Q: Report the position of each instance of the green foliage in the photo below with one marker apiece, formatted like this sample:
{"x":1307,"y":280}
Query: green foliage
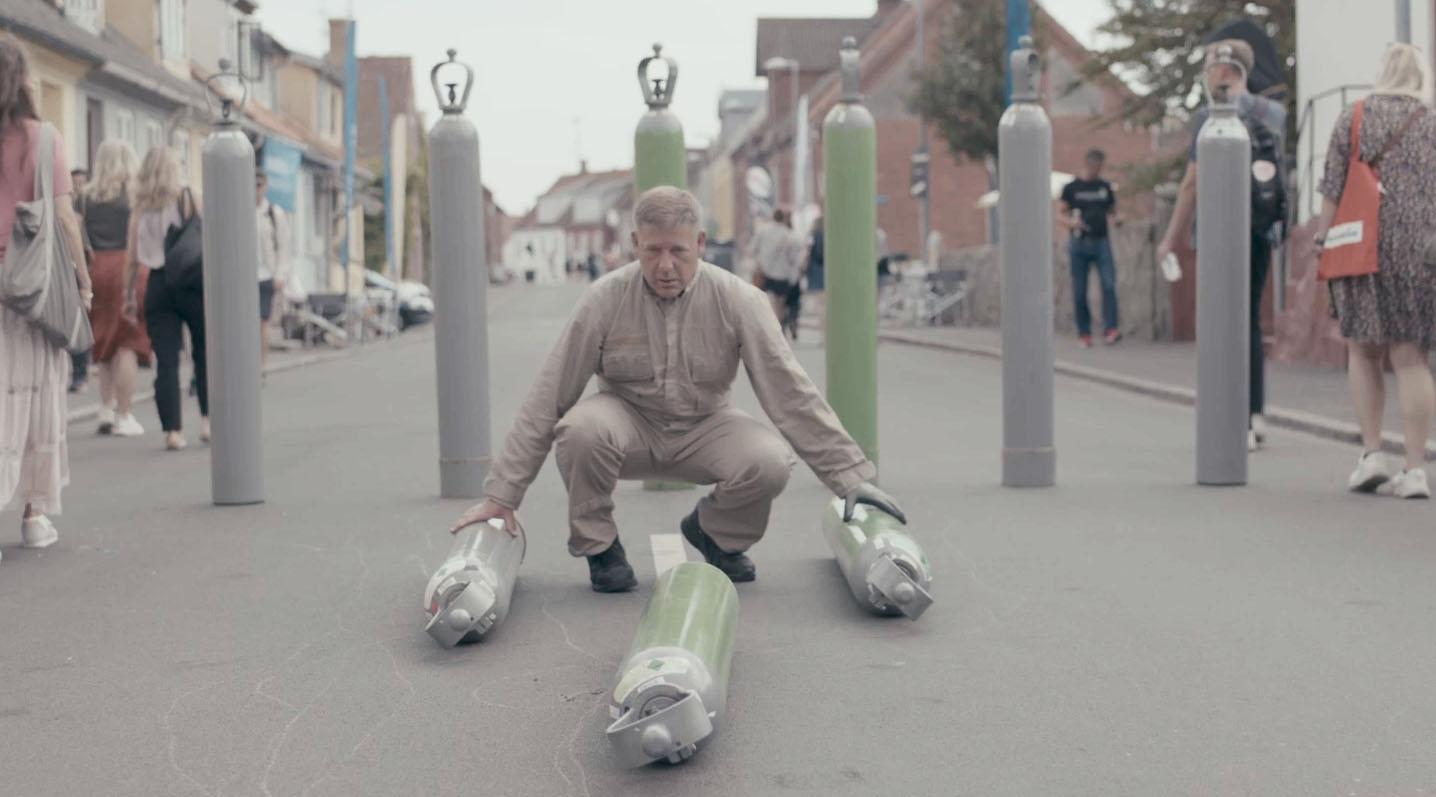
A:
{"x":960,"y":90}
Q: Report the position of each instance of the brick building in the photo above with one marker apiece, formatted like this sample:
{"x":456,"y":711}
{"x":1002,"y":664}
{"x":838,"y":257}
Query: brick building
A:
{"x":888,"y":61}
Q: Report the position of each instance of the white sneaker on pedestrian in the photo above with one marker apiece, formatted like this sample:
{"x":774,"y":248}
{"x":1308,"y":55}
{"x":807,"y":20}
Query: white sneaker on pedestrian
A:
{"x":1253,"y":442}
{"x":127,"y":426}
{"x":1371,"y":472}
{"x":1258,"y":426}
{"x":38,"y":532}
{"x":174,"y":441}
{"x":204,"y":430}
{"x":1410,"y":484}
{"x":107,"y":420}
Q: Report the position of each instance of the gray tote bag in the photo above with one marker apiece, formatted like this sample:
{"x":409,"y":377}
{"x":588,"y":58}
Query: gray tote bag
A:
{"x":37,"y":279}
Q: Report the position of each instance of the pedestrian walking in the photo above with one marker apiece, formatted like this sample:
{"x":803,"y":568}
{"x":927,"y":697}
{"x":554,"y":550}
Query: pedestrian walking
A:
{"x":162,"y":203}
{"x":275,"y":247}
{"x":1088,"y":209}
{"x":779,"y":252}
{"x":1388,"y":310}
{"x":664,"y":335}
{"x":34,"y":370}
{"x":1227,"y":64}
{"x":816,"y":263}
{"x":79,"y":361}
{"x":121,"y":344}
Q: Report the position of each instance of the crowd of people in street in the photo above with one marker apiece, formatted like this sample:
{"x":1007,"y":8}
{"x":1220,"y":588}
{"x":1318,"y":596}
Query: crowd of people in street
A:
{"x":118,"y":225}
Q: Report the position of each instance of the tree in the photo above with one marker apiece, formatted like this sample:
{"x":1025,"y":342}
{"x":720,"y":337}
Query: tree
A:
{"x":962,"y":91}
{"x":1157,"y":48}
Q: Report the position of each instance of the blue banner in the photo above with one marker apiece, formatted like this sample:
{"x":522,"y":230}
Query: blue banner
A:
{"x":281,"y":165}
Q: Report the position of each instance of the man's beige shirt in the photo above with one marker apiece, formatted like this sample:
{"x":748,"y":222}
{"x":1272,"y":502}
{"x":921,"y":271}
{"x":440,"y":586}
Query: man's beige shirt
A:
{"x":674,"y":361}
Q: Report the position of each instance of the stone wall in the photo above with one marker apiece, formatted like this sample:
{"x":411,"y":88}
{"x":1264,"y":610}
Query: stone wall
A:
{"x":1143,"y":305}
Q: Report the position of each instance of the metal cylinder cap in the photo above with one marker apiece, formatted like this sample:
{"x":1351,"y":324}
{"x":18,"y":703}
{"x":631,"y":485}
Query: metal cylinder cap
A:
{"x":656,"y":741}
{"x":456,"y":102}
{"x":904,"y":593}
{"x":849,"y":66}
{"x":658,"y":92}
{"x":1026,"y":71}
{"x":460,"y":619}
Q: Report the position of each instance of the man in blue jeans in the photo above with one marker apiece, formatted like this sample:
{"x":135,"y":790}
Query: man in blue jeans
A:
{"x":1086,"y":206}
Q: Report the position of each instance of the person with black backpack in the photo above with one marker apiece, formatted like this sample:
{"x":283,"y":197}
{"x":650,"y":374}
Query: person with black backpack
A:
{"x":1228,"y":63}
{"x":165,"y":239}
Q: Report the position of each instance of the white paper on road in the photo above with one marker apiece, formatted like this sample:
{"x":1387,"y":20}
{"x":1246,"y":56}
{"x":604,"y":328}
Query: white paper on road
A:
{"x":668,"y":551}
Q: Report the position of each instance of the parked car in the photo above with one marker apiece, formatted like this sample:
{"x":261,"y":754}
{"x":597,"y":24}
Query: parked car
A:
{"x":415,"y":302}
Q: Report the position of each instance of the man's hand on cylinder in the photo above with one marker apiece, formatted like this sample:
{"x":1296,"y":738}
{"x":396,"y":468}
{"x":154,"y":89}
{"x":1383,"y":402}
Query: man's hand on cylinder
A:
{"x":869,"y":494}
{"x":487,"y":510}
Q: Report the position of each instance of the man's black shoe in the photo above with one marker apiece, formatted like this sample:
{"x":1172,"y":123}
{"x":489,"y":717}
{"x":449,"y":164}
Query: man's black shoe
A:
{"x":736,"y":566}
{"x":610,"y":572}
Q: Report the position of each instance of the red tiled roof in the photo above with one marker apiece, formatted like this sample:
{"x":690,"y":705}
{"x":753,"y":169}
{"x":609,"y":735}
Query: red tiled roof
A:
{"x":812,"y":42}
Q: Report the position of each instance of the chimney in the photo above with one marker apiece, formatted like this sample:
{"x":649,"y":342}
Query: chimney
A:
{"x":338,"y":42}
{"x":583,"y":166}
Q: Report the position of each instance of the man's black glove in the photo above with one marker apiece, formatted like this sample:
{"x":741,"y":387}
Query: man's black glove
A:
{"x":868,"y":493}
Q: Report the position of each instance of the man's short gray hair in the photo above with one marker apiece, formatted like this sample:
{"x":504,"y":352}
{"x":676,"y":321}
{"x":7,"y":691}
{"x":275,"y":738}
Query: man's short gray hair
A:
{"x":666,"y":207}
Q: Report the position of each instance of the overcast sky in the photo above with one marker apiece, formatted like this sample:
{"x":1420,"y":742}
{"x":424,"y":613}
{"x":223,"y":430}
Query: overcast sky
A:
{"x":555,"y":78}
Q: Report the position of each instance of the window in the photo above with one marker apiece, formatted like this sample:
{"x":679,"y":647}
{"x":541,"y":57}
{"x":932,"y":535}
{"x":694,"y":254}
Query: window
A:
{"x":324,"y":119}
{"x":124,"y":127}
{"x":88,"y":14}
{"x":231,"y":35}
{"x":171,"y":26}
{"x":154,"y":136}
{"x":179,"y":141}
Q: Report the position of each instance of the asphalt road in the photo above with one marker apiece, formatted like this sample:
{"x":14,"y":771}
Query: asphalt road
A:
{"x":1123,"y":633}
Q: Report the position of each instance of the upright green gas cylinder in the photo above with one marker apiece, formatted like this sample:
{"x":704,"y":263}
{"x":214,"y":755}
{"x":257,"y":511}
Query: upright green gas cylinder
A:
{"x":660,"y":157}
{"x":671,"y":689}
{"x":850,"y":230}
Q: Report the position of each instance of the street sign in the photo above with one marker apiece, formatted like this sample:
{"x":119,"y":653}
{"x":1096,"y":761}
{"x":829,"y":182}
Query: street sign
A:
{"x":917,"y":182}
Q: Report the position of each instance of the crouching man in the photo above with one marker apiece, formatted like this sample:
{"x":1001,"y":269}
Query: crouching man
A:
{"x":665,"y":336}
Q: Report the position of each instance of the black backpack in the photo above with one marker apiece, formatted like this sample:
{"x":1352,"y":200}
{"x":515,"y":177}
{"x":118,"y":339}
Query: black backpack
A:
{"x":1268,"y":186}
{"x":184,"y":249}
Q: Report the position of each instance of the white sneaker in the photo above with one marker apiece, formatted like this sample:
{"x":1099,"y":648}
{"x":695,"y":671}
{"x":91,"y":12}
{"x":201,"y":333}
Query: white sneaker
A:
{"x":107,"y":420}
{"x":38,"y":532}
{"x":1258,"y":427}
{"x":127,"y":426}
{"x":1410,"y":484}
{"x":1253,"y":442}
{"x":204,"y":430}
{"x":1371,"y":472}
{"x":174,"y":441}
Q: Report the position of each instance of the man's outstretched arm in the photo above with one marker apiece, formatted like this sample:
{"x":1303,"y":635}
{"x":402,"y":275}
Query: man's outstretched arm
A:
{"x":793,"y":402}
{"x":559,"y":385}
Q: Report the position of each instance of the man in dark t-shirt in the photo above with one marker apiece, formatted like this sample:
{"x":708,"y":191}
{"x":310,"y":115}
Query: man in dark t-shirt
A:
{"x":1087,"y":206}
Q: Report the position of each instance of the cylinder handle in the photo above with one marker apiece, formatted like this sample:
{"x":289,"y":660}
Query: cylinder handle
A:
{"x":849,"y":64}
{"x":455,"y":103}
{"x":216,"y":90}
{"x":658,"y":95}
{"x":1026,"y":70}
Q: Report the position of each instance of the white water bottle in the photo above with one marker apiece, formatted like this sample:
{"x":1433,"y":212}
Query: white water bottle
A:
{"x":1171,"y":269}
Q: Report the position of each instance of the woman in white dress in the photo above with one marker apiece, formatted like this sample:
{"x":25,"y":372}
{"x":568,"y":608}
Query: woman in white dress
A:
{"x":34,"y":463}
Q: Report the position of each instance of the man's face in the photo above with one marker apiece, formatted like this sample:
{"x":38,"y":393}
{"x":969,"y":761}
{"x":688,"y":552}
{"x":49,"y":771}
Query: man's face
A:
{"x":1224,"y":80}
{"x":1094,"y":168}
{"x":669,"y":257}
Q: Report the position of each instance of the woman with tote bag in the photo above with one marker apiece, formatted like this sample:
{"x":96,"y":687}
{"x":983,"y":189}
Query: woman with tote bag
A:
{"x":34,"y":367}
{"x":1377,"y":220}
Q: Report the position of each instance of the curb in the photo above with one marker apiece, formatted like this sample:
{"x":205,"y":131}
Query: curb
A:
{"x":92,"y":411}
{"x":1280,"y":417}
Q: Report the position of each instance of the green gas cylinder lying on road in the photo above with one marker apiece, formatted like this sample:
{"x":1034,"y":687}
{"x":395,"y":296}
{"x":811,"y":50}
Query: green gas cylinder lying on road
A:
{"x":672,"y":687}
{"x":885,"y":568}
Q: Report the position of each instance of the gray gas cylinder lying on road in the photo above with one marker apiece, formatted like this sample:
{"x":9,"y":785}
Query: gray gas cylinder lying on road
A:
{"x":470,"y":593}
{"x":886,"y":569}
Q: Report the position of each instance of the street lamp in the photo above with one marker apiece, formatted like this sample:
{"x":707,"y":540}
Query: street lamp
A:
{"x":770,"y":66}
